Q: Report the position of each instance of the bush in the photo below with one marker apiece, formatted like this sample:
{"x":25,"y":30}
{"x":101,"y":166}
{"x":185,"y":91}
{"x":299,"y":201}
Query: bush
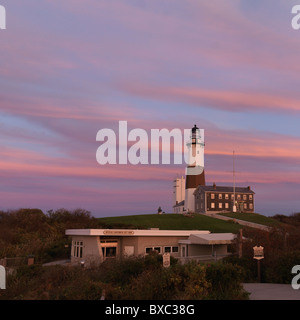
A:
{"x":248,"y":267}
{"x":225,"y":279}
{"x":130,"y":279}
{"x":176,"y":282}
{"x":278,"y":270}
{"x":121,"y":271}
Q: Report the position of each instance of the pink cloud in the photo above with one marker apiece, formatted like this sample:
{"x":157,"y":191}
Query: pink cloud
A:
{"x":220,"y":99}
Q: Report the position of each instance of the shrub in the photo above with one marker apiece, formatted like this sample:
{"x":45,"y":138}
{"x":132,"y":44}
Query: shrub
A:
{"x":247,"y":264}
{"x":121,"y":271}
{"x":225,"y":279}
{"x":130,"y":279}
{"x":278,"y":270}
{"x":176,"y":282}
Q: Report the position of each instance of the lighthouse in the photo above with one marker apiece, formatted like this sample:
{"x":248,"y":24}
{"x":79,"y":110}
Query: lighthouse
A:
{"x":194,"y":175}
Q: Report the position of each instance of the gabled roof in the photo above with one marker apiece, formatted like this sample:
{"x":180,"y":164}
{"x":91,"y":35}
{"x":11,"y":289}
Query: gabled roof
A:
{"x":209,"y":239}
{"x":179,"y":204}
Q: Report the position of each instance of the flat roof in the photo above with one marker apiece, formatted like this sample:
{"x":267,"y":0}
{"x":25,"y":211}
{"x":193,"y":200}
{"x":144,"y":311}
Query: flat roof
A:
{"x":226,"y":189}
{"x":134,"y":232}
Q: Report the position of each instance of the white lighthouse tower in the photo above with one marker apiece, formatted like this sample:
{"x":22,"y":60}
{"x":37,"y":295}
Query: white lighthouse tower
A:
{"x":195,"y":168}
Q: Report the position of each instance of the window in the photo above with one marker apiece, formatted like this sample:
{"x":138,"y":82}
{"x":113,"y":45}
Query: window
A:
{"x":245,"y":205}
{"x":109,"y":252}
{"x":220,"y":195}
{"x":148,"y":250}
{"x":250,"y":197}
{"x":251,"y":206}
{"x":232,"y":196}
{"x":226,"y":205}
{"x":212,"y":205}
{"x":170,"y":249}
{"x":157,"y":249}
{"x":244,"y":197}
{"x":109,"y":248}
{"x":212,"y":195}
{"x":220,"y":205}
{"x":239,"y":197}
{"x":226,"y":196}
{"x":183,"y":251}
{"x":78,"y":248}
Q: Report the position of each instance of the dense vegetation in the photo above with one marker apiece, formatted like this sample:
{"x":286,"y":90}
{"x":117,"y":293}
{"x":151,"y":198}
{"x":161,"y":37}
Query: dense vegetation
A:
{"x":27,"y":232}
{"x":131,"y":279}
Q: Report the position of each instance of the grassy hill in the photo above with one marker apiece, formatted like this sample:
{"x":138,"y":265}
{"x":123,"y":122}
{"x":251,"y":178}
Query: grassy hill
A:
{"x":180,"y":222}
{"x":171,"y":221}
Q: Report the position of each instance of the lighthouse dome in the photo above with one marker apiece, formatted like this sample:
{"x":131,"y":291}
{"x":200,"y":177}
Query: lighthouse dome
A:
{"x":194,"y":129}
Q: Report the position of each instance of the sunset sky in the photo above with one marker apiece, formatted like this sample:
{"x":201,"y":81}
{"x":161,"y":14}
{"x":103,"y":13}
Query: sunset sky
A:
{"x":70,"y":68}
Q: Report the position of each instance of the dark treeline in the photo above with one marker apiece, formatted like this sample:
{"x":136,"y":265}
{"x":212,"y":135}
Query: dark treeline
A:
{"x":293,"y":219}
{"x":26,"y":232}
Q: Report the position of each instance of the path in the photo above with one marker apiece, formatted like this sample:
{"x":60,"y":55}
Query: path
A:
{"x":271,"y":291}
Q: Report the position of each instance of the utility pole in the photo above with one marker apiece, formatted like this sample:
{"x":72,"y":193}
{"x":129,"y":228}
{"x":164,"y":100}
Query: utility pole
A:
{"x":234,"y":206}
{"x":240,"y":243}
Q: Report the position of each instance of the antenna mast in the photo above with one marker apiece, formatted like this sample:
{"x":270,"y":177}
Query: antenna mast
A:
{"x":234,"y":206}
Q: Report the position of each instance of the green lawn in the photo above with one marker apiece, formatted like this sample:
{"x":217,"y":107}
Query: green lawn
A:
{"x":170,"y":222}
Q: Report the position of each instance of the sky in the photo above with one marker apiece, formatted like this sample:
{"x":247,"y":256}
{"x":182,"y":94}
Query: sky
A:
{"x":70,"y":68}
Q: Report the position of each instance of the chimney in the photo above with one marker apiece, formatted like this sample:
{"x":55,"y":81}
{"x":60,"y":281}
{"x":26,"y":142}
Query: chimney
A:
{"x":214,"y":186}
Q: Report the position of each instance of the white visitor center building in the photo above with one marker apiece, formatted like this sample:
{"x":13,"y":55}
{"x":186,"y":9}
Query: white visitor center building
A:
{"x":93,"y":246}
